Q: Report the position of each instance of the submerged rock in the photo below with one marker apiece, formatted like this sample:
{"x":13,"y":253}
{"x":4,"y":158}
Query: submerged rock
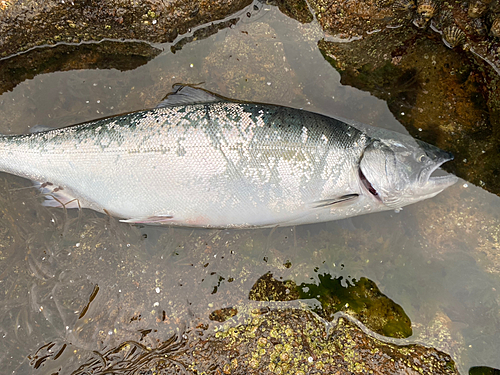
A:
{"x":252,"y":66}
{"x":360,"y":299}
{"x":285,"y":341}
{"x":109,"y":299}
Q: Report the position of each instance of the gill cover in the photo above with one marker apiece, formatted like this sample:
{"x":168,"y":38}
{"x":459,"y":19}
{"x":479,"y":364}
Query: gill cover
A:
{"x":379,"y":167}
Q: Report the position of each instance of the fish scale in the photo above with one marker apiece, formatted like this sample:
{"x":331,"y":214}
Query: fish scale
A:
{"x":200,"y":160}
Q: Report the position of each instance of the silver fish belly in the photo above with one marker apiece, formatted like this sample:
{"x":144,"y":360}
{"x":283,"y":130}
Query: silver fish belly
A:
{"x":203,"y":161}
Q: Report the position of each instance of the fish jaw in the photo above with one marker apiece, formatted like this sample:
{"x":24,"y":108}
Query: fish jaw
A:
{"x":430,"y":185}
{"x":436,"y":185}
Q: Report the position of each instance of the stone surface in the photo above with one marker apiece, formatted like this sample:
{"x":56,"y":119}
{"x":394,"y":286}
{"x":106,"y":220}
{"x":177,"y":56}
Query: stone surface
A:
{"x":286,"y":341}
{"x":27,"y":24}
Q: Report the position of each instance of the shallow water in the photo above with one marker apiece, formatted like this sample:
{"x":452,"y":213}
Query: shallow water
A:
{"x":439,"y":259}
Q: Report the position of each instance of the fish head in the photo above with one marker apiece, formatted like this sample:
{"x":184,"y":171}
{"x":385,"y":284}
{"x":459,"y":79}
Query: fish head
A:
{"x":398,"y":173}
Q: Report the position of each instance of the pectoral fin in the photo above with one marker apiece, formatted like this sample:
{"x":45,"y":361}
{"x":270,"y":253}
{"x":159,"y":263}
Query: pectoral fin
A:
{"x":159,"y":219}
{"x":336,"y":200}
{"x":57,"y":196}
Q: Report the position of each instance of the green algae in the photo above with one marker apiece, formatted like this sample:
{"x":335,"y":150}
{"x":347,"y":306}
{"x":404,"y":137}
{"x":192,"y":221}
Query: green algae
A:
{"x":360,"y":299}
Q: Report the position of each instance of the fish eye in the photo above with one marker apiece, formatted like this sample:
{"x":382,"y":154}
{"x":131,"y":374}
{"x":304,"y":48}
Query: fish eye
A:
{"x":422,"y":158}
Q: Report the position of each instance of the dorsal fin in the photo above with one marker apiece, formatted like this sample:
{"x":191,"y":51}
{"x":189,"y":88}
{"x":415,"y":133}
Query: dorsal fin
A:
{"x":40,"y":128}
{"x":185,"y":94}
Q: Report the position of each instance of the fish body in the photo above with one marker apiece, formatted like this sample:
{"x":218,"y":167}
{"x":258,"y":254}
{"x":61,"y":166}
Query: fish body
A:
{"x":200,"y":160}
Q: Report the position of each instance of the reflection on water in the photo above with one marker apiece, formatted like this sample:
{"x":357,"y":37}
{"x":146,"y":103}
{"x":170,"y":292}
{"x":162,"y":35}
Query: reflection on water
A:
{"x":82,"y":289}
{"x":104,"y":55}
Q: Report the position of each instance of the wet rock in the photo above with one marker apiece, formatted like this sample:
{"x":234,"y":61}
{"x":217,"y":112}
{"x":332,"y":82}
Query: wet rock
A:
{"x":203,"y":33}
{"x":438,"y":94}
{"x":36,"y":23}
{"x":444,"y":334}
{"x":296,"y":9}
{"x":267,"y":288}
{"x":474,"y":34}
{"x":277,"y":342}
{"x":372,"y":52}
{"x":223,"y":314}
{"x":353,"y":19}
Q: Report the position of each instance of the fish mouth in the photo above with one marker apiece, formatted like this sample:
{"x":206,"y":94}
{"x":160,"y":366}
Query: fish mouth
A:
{"x":433,"y":179}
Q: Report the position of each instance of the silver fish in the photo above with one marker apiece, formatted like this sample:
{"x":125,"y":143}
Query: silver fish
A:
{"x":202,"y":160}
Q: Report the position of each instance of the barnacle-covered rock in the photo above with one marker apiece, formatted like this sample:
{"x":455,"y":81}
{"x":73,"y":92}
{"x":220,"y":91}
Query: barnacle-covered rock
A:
{"x":495,"y":26}
{"x":280,"y":341}
{"x":478,"y":27}
{"x":352,"y":19}
{"x":477,"y":8}
{"x":494,"y":6}
{"x":442,"y":20}
{"x":474,"y":25}
{"x":426,"y":9}
{"x":404,"y":10}
{"x":453,"y":36}
{"x":360,"y":299}
{"x":404,"y":5}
